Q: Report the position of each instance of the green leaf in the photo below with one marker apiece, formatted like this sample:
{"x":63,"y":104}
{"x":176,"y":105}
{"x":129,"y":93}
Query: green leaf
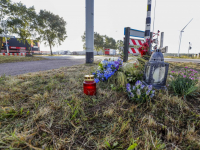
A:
{"x":115,"y":144}
{"x":132,"y":147}
{"x":108,"y":144}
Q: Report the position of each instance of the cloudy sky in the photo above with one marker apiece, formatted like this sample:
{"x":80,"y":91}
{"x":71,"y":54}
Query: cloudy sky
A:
{"x":111,"y":16}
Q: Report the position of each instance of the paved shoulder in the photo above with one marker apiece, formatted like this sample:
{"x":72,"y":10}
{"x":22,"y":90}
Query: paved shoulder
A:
{"x":35,"y":66}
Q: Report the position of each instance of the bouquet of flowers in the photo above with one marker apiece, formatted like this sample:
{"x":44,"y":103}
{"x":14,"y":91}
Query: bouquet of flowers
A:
{"x":106,"y":69}
{"x":139,"y":92}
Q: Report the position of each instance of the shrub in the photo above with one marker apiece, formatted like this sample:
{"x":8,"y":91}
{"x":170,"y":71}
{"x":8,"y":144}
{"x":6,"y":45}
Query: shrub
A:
{"x":140,"y":93}
{"x":183,"y":83}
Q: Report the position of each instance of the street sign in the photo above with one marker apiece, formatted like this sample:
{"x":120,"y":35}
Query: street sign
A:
{"x":164,"y":49}
{"x":8,"y":36}
{"x":136,"y":33}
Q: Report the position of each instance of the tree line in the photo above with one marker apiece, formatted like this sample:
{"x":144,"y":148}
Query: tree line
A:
{"x":28,"y":25}
{"x":103,"y":41}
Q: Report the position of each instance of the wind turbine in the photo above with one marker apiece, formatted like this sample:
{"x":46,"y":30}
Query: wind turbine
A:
{"x":181,"y":36}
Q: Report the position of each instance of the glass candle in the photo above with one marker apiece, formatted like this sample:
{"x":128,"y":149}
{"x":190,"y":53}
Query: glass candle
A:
{"x":89,"y":85}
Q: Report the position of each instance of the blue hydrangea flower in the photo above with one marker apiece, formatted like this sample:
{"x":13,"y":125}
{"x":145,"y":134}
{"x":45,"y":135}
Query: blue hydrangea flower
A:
{"x":96,"y":80}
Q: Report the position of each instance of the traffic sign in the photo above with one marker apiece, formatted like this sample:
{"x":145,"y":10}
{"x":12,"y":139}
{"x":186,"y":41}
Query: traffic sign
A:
{"x":8,"y":36}
{"x":6,"y":45}
{"x":136,"y":33}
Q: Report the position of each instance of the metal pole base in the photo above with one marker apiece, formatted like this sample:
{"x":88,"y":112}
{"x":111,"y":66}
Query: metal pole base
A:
{"x":89,"y":57}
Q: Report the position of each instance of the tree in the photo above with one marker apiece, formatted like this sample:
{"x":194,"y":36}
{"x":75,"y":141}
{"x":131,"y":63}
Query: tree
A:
{"x":4,"y":5}
{"x":83,"y":40}
{"x":98,"y":42}
{"x":109,"y":42}
{"x":119,"y":43}
{"x":23,"y":22}
{"x":52,"y":28}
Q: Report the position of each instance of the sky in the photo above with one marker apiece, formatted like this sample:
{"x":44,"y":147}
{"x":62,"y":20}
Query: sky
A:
{"x":111,"y":16}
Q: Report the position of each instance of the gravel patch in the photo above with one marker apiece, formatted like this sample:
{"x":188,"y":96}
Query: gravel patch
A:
{"x":35,"y":66}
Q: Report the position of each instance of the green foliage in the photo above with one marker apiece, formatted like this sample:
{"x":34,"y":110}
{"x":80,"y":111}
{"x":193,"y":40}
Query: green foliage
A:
{"x":183,"y":83}
{"x":100,"y":42}
{"x":119,"y":43}
{"x":22,"y":22}
{"x":52,"y":28}
{"x":133,"y":145}
{"x":109,"y":42}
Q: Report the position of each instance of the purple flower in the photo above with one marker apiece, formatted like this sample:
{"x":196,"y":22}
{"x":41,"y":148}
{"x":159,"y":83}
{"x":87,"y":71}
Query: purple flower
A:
{"x":147,"y":92}
{"x":172,"y":71}
{"x":132,"y":95}
{"x":138,"y":92}
{"x":151,"y":95}
{"x":184,"y":76}
{"x":142,"y":86}
{"x":150,"y":87}
{"x":128,"y":87}
{"x":133,"y":87}
{"x":186,"y":67}
{"x":138,"y":82}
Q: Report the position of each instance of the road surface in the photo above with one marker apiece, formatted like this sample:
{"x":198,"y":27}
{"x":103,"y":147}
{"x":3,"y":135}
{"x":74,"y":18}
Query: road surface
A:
{"x":55,"y":62}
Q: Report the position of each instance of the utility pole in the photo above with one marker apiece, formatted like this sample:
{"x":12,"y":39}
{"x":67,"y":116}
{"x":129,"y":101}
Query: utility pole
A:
{"x":181,"y":36}
{"x":89,"y":36}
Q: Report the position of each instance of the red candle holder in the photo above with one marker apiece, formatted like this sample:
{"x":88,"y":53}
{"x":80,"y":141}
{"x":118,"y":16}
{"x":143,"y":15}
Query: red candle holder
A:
{"x":89,"y":85}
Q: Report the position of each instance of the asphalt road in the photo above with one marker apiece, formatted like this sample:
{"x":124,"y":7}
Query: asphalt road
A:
{"x":55,"y":62}
{"x":102,"y":57}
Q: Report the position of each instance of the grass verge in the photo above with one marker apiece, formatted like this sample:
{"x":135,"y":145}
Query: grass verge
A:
{"x":9,"y":59}
{"x":48,"y":110}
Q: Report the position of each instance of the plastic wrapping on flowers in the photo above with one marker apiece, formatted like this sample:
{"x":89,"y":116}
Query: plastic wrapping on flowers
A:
{"x":139,"y":92}
{"x":106,"y":69}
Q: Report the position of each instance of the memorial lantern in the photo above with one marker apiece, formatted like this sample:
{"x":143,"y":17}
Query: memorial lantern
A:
{"x":89,"y":85}
{"x":156,"y":70}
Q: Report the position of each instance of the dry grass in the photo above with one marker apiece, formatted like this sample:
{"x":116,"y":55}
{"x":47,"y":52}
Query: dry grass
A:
{"x":48,"y":110}
{"x":182,"y":57}
{"x":9,"y":59}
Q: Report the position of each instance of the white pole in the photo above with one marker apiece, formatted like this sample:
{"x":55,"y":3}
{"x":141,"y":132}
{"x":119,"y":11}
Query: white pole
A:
{"x":89,"y":36}
{"x":180,"y":42}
